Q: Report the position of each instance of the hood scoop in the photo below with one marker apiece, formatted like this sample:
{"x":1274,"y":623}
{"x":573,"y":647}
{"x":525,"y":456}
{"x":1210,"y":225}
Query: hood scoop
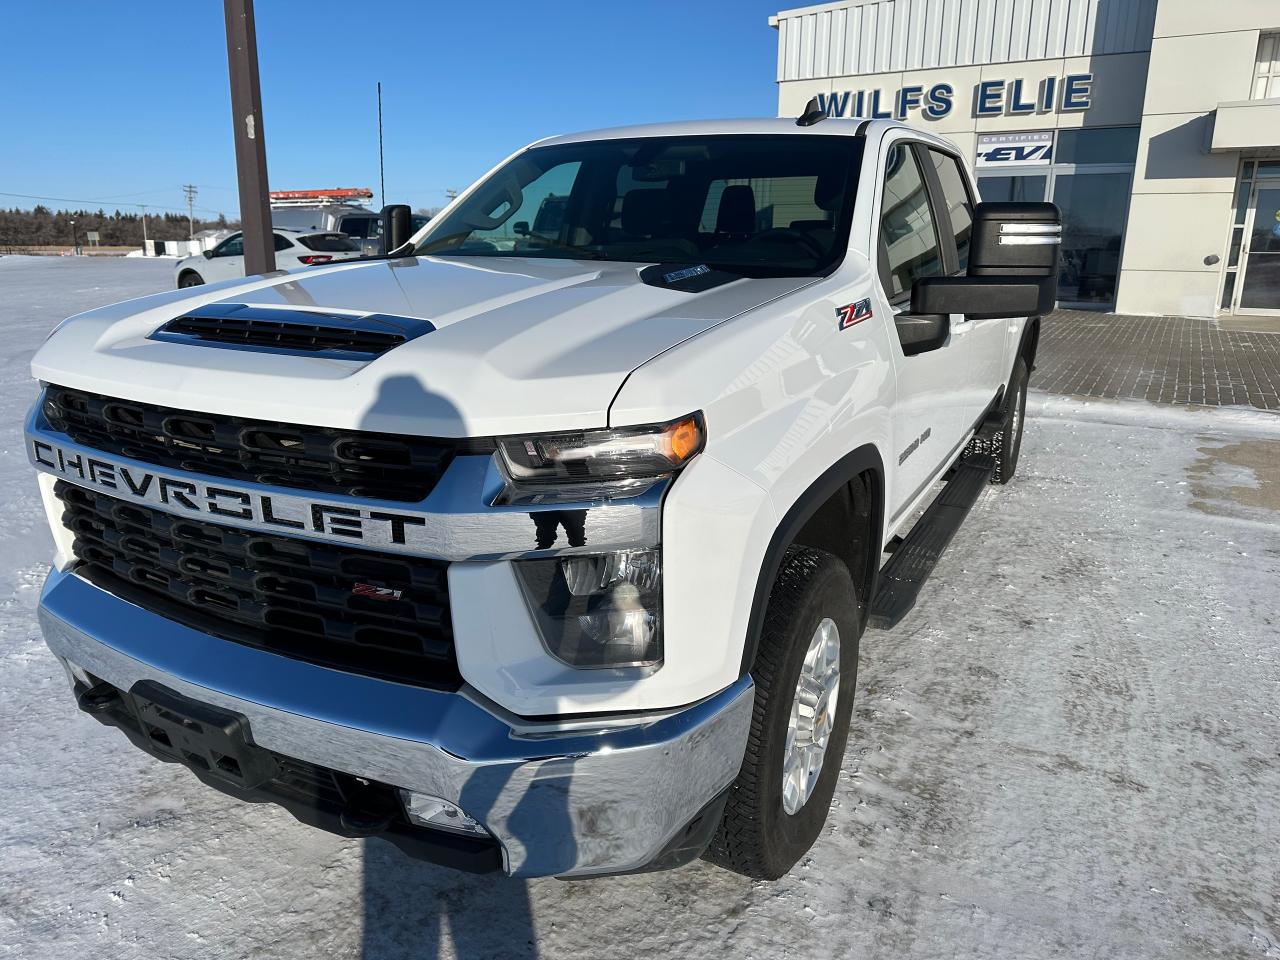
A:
{"x":308,"y":333}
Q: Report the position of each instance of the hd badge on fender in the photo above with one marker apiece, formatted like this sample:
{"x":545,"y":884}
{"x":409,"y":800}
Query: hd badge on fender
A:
{"x":852,"y":313}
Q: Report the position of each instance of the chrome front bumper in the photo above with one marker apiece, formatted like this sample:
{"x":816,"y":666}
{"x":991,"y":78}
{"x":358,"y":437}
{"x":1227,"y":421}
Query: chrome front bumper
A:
{"x":561,"y":798}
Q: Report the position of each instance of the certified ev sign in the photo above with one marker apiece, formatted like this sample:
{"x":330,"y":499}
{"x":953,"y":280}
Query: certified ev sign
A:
{"x":989,"y":98}
{"x":1015,"y":149}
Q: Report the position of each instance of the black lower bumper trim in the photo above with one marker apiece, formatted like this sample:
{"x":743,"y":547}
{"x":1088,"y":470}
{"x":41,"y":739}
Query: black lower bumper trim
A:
{"x":214,"y":745}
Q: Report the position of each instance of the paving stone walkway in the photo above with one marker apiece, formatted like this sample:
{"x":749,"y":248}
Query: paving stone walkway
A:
{"x":1161,"y":359}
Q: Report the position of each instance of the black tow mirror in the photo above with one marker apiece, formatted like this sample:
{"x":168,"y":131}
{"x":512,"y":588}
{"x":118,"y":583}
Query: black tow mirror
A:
{"x":1013,"y":272}
{"x":397,"y":226}
{"x":985,"y":298}
{"x":1016,"y":240}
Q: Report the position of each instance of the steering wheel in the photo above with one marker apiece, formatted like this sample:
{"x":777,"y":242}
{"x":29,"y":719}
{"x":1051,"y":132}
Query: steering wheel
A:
{"x":791,"y":235}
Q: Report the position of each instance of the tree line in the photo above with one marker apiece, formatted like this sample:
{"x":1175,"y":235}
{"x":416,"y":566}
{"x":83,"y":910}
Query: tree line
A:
{"x":40,"y":226}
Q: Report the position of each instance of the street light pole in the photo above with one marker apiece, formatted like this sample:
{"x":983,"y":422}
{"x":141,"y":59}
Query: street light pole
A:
{"x":75,"y":241}
{"x":251,"y":149}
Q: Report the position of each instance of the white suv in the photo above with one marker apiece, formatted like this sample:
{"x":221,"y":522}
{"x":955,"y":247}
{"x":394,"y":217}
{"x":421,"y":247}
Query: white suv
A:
{"x":545,"y":544}
{"x":293,"y":249}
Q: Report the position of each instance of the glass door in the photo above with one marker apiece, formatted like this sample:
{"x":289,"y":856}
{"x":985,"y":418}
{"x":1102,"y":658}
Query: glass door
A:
{"x":1260,"y":269}
{"x":1093,"y":207}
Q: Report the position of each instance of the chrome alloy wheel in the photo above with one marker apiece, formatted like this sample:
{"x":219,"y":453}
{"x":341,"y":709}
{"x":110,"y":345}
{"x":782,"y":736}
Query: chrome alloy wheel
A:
{"x":813,"y":713}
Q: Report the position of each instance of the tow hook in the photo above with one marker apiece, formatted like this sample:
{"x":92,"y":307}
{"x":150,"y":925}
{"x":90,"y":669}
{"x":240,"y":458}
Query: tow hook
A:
{"x":359,"y":822}
{"x":98,"y":698}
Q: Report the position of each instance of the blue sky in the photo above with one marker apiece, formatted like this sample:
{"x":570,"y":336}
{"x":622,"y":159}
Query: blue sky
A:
{"x":115,"y":102}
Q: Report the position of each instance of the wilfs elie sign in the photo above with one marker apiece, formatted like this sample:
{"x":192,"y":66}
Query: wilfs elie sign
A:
{"x":990,"y":98}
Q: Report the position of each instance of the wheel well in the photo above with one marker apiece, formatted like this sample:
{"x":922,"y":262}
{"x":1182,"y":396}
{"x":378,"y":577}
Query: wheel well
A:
{"x":843,"y":526}
{"x":842,"y":512}
{"x":188,"y":272}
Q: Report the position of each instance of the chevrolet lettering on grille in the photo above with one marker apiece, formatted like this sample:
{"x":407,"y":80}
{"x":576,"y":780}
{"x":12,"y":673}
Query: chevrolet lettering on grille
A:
{"x":228,"y":504}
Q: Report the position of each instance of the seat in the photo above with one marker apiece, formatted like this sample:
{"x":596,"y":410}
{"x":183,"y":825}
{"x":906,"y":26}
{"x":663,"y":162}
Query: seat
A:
{"x":736,"y":218}
{"x":644,"y":213}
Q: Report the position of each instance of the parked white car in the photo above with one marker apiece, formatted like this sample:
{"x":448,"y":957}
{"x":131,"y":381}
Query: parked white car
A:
{"x":293,"y":249}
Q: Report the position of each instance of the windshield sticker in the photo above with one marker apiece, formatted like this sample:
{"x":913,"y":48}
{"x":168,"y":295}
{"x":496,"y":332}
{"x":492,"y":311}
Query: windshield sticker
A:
{"x":852,"y":313}
{"x":677,"y":275}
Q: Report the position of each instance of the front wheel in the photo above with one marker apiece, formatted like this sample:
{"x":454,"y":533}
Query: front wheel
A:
{"x":804,"y":673}
{"x":190,"y":279}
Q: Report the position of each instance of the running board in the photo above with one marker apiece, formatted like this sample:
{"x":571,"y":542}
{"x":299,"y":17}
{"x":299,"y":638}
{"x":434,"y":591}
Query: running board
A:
{"x":914,"y":559}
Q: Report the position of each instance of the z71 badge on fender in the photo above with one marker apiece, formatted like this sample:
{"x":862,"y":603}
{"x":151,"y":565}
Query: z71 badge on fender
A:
{"x":852,"y":313}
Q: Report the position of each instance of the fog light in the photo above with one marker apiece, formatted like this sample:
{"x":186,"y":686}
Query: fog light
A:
{"x":601,"y":610}
{"x":424,"y":810}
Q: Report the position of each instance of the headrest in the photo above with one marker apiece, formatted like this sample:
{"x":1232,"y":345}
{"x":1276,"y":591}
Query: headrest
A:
{"x":644,"y":212}
{"x":737,"y":210}
{"x":826,"y":192}
{"x":810,"y":225}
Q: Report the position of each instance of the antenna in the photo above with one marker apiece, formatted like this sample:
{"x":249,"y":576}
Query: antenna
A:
{"x":813,"y":112}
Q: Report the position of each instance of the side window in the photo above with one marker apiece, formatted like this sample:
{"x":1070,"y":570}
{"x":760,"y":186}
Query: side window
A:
{"x":908,"y":232}
{"x":281,"y":243}
{"x":231,"y":247}
{"x":955,"y":194}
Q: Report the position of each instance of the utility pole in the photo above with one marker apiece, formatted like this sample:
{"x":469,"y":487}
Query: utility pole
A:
{"x":251,"y":148}
{"x":451,"y":195}
{"x":191,"y":191}
{"x":382,"y":177}
{"x":144,"y":228}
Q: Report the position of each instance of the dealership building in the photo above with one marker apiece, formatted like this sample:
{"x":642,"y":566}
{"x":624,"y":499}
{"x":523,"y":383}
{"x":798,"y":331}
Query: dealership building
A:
{"x":1153,"y":124}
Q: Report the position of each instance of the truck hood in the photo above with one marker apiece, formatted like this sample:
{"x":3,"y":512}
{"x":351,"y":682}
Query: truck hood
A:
{"x":519,"y":345}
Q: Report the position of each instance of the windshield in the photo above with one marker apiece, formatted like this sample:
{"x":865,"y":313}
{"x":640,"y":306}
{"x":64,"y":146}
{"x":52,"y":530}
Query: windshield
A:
{"x":757,"y":205}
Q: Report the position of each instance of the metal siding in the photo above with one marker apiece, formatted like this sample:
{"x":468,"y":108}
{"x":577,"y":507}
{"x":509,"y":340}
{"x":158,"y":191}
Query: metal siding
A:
{"x":822,"y":45}
{"x":835,"y":42}
{"x":886,"y":36}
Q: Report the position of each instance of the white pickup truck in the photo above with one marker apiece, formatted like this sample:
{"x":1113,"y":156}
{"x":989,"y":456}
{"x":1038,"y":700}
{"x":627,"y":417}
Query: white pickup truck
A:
{"x":547,"y":551}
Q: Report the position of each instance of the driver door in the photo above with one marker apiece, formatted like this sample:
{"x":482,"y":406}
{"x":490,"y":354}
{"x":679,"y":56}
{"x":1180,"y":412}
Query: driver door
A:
{"x":930,"y":416}
{"x":226,"y":262}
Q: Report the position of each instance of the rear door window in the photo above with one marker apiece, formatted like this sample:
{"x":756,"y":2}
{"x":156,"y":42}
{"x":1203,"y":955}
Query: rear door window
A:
{"x":281,"y":243}
{"x":955,"y":193}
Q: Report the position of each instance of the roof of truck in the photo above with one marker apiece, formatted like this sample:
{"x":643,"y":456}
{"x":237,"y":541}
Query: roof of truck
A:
{"x":841,"y":126}
{"x":691,"y":128}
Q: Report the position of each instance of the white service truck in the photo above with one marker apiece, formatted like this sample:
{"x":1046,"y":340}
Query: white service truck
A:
{"x":547,"y":551}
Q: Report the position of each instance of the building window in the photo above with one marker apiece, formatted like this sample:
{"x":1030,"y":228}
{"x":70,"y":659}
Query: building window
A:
{"x":1266,"y":78}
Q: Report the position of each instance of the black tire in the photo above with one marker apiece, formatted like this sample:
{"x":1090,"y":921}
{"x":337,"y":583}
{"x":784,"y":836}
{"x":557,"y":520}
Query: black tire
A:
{"x":1010,"y":436}
{"x":1006,"y":445}
{"x":756,"y":836}
{"x":190,"y":279}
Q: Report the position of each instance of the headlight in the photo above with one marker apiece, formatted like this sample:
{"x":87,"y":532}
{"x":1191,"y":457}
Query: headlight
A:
{"x":601,"y":610}
{"x":589,"y":463}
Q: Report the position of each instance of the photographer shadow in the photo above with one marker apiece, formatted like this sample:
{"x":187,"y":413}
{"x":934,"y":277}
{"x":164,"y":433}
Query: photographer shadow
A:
{"x":415,"y":910}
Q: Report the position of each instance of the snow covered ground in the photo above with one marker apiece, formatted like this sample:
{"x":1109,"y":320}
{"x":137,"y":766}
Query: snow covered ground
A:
{"x":1069,"y":749}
